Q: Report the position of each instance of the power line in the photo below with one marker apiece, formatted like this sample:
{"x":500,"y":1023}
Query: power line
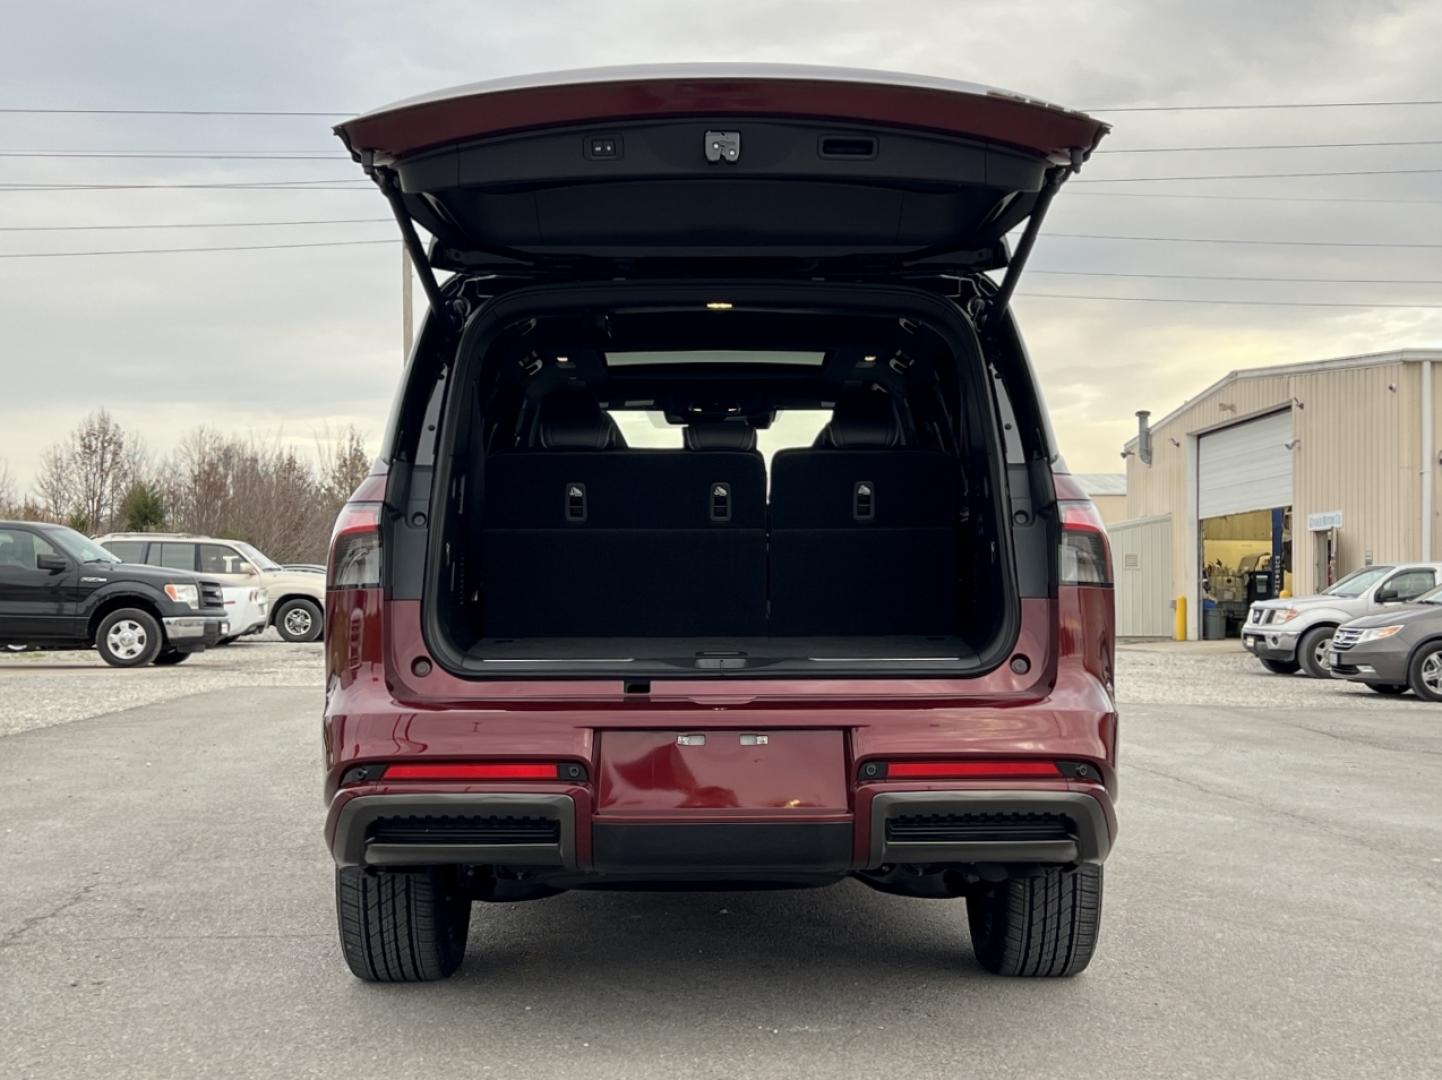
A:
{"x":1234,"y":277}
{"x":1278,"y":105}
{"x":166,"y":155}
{"x":197,"y":225}
{"x":1264,"y":146}
{"x":171,"y":112}
{"x":1257,"y":198}
{"x":1197,"y":300}
{"x":50,"y":111}
{"x":191,"y":250}
{"x":254,"y":185}
{"x":1233,"y":240}
{"x":1255,"y":176}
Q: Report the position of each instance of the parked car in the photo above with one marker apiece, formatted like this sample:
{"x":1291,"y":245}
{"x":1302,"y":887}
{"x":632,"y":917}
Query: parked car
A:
{"x":1296,"y":634}
{"x":60,"y":590}
{"x":247,"y":606}
{"x":554,"y":662}
{"x":296,"y":598}
{"x":1394,"y":651}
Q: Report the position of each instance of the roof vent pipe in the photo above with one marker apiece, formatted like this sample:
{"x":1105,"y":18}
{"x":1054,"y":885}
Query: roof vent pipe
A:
{"x":1144,"y":436}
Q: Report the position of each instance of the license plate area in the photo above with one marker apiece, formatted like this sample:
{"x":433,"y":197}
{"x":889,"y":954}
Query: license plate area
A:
{"x":719,"y":775}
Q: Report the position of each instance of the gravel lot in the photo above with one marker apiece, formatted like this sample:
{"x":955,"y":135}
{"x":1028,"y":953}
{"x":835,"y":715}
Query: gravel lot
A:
{"x":166,"y":910}
{"x":41,"y":689}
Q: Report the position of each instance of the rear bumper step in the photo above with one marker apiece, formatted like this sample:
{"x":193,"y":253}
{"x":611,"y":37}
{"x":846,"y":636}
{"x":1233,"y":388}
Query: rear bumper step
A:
{"x":803,"y":847}
{"x":987,"y":826}
{"x":438,"y":829}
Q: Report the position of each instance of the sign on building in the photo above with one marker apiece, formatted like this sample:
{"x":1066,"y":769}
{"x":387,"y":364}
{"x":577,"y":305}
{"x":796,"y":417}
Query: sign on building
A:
{"x":1328,"y":519}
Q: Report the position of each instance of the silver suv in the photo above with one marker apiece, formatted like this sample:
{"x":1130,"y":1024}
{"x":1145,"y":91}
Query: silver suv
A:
{"x":297,"y":598}
{"x":1296,"y":634}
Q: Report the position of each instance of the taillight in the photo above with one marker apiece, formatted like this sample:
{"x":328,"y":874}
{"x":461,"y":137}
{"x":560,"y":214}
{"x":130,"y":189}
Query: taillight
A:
{"x":1085,"y":554}
{"x":979,"y":769}
{"x":355,"y":548}
{"x":497,"y":770}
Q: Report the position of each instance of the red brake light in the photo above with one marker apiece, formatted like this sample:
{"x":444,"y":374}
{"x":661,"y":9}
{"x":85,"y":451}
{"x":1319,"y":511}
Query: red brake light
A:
{"x":500,"y":770}
{"x":970,"y":770}
{"x":355,"y":547}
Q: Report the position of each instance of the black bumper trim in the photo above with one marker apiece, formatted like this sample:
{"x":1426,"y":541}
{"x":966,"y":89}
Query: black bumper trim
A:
{"x":353,"y":846}
{"x":1089,"y":840}
{"x":802,"y":847}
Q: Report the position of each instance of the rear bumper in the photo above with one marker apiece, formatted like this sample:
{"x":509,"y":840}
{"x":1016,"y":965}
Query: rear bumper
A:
{"x":397,"y":829}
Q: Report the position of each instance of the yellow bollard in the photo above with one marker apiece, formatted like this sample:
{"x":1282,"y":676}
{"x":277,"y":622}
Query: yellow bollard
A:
{"x":1181,"y":631}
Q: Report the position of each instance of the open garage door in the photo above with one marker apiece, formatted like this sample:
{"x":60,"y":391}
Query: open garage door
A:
{"x":1245,"y":467}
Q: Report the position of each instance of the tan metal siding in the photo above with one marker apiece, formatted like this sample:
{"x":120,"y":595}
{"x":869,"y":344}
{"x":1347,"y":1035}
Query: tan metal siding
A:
{"x":1142,"y":567}
{"x":1359,"y":453}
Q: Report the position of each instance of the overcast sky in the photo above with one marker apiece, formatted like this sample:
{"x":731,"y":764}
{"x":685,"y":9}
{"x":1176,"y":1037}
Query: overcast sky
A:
{"x":293,"y":343}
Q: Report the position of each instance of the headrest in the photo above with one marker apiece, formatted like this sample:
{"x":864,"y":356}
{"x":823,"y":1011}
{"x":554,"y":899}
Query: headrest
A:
{"x":572,"y":420}
{"x":720,"y":435}
{"x":863,"y":419}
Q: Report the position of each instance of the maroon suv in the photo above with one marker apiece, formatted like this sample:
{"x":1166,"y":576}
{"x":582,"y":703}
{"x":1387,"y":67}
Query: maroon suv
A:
{"x":564,"y":656}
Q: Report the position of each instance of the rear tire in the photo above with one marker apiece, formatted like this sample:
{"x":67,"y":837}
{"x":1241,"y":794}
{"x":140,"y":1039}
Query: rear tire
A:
{"x":1312,"y":651}
{"x":1424,"y":673}
{"x":1045,"y":925}
{"x":1282,"y":667}
{"x":169,"y":657}
{"x":1389,"y":689}
{"x":298,"y":620}
{"x":128,"y":637}
{"x":401,"y":927}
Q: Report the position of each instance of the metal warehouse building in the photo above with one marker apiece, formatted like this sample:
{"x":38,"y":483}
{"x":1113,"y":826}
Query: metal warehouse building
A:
{"x":1275,"y":479}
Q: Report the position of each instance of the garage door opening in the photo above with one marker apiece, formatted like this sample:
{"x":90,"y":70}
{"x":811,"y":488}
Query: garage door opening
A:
{"x":1244,"y":514}
{"x":1245,"y":558}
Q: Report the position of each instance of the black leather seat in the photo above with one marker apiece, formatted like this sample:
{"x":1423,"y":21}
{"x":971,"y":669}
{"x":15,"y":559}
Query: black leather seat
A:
{"x":863,"y":530}
{"x":581,"y":539}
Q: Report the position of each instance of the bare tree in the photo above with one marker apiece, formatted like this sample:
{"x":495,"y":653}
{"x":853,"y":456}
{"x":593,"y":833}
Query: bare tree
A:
{"x":7,"y":491}
{"x":84,"y":478}
{"x":344,"y":463}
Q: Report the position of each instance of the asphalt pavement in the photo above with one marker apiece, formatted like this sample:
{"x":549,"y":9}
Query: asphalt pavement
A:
{"x":1272,"y":909}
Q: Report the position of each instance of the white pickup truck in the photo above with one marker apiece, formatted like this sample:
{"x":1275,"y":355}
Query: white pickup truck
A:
{"x":1296,"y":634}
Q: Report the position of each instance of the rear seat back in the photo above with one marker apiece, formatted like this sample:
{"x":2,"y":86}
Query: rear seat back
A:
{"x":863,"y":532}
{"x":617,"y":543}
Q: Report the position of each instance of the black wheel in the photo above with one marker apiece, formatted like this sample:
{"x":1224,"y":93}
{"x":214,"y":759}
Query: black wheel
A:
{"x":1389,"y":689}
{"x":128,"y":637}
{"x":1282,"y":667}
{"x":1424,"y":673}
{"x":1313,"y":651}
{"x":401,"y":927}
{"x":299,"y":620}
{"x":169,"y":657}
{"x":1044,"y":925}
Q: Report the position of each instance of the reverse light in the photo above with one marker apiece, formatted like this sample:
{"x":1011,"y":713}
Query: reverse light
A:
{"x":184,"y":594}
{"x":1377,"y":633}
{"x":355,"y":548}
{"x":1085,"y":554}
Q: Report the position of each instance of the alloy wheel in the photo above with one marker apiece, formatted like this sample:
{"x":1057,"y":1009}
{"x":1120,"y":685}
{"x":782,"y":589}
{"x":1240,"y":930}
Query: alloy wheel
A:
{"x":126,"y":639}
{"x":298,"y":621}
{"x":1432,"y":672}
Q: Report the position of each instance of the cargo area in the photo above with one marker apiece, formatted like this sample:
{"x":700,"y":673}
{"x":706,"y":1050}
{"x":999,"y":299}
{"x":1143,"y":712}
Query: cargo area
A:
{"x":712,"y":490}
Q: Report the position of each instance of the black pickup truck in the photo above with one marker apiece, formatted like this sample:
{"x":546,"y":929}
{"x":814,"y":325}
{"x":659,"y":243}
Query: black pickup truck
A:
{"x":61,"y":590}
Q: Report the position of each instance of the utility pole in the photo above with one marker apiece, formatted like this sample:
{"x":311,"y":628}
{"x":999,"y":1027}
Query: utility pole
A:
{"x":406,"y":317}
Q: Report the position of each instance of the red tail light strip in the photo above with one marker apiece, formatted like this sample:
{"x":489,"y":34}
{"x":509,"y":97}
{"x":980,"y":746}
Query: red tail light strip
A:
{"x":504,"y":770}
{"x":970,"y":770}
